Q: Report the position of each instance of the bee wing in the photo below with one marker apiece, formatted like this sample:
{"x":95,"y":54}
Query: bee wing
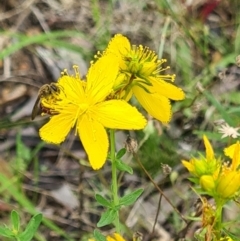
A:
{"x":35,"y":108}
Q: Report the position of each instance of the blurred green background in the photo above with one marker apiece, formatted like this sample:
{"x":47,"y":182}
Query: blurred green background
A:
{"x":38,"y":39}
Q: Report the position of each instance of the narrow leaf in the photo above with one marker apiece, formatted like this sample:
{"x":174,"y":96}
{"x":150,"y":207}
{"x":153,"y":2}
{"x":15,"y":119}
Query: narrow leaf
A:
{"x":102,"y":200}
{"x":107,"y":218}
{"x":98,"y":236}
{"x":122,"y":166}
{"x":219,"y":107}
{"x":15,"y":221}
{"x":121,"y":153}
{"x":6,"y":232}
{"x":130,"y":198}
{"x":31,"y":228}
{"x":43,"y":38}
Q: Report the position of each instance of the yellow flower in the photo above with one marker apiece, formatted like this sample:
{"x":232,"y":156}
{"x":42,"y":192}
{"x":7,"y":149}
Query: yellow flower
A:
{"x":115,"y":237}
{"x":141,"y":75}
{"x":203,"y":166}
{"x":84,"y":105}
{"x":229,"y":179}
{"x":196,"y":167}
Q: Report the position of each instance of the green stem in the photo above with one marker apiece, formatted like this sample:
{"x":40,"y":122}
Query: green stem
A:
{"x":114,"y":178}
{"x":218,"y":224}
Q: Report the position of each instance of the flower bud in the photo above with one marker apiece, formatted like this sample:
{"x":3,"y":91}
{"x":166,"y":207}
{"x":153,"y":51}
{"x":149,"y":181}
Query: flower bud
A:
{"x":228,"y":184}
{"x":131,"y":145}
{"x":201,"y":167}
{"x":196,"y":167}
{"x":207,"y":183}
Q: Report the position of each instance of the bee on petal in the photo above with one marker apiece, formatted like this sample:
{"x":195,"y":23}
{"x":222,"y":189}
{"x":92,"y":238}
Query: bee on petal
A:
{"x":46,"y":91}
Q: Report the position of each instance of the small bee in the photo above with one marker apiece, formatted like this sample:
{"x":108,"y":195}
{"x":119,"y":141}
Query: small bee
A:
{"x":45,"y":91}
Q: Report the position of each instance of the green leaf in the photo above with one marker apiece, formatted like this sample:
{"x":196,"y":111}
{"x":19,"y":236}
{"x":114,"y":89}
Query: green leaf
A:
{"x":9,"y":185}
{"x":22,"y":150}
{"x":103,"y":201}
{"x":121,"y":153}
{"x":231,"y":235}
{"x":6,"y":232}
{"x":122,"y":166}
{"x":31,"y":228}
{"x":15,"y":221}
{"x":23,"y":155}
{"x":108,"y":217}
{"x":194,"y":180}
{"x":98,"y":236}
{"x":130,"y":198}
{"x":43,"y":38}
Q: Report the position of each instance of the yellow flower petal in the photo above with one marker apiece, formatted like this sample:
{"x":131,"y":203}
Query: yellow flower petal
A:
{"x":118,"y":114}
{"x":101,"y":77}
{"x":209,"y":150}
{"x":119,"y":45}
{"x":207,"y":183}
{"x":166,"y":89}
{"x":229,"y":151}
{"x":56,"y":130}
{"x":94,"y":139}
{"x":228,"y":184}
{"x":188,"y":165}
{"x":236,"y":158}
{"x":73,"y":88}
{"x":116,"y":237}
{"x":156,"y":105}
{"x":109,"y":238}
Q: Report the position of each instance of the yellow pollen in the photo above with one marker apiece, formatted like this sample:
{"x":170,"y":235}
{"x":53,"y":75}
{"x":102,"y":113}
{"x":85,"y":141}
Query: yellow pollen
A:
{"x":64,"y":72}
{"x":76,"y":70}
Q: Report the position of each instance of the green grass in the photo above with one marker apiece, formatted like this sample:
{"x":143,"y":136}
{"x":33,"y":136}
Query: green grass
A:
{"x":187,"y":43}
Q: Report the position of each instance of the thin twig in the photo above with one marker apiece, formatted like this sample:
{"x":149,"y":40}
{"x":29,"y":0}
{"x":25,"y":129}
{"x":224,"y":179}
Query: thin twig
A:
{"x":158,"y":211}
{"x":158,"y":188}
